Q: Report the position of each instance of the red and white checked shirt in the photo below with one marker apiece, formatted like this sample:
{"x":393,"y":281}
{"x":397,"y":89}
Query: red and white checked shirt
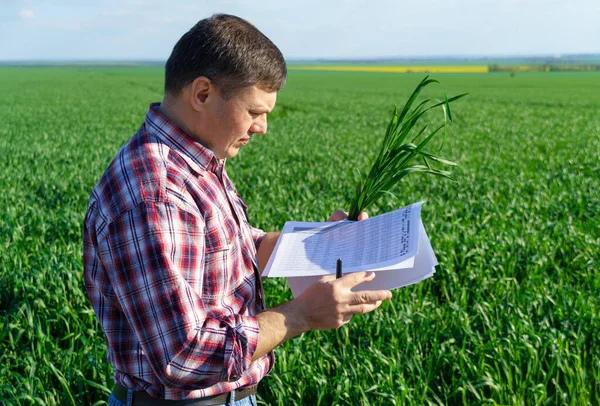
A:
{"x":170,"y":268}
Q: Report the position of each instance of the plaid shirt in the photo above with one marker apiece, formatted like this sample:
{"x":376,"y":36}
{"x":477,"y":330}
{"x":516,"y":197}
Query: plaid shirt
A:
{"x":170,"y":268}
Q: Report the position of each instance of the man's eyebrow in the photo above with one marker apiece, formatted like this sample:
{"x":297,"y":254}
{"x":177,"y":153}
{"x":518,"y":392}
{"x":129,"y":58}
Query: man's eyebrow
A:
{"x":261,"y":109}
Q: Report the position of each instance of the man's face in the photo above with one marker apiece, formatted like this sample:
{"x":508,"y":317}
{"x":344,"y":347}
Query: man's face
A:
{"x":228,"y":124}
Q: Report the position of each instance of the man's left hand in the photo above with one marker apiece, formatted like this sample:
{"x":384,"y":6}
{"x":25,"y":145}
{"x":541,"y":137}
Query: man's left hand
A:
{"x":340,"y":215}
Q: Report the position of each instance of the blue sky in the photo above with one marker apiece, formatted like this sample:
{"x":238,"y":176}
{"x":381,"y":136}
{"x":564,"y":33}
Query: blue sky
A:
{"x":148,"y":29}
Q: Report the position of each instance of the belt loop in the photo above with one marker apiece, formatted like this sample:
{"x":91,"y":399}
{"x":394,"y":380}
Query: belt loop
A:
{"x":232,"y":398}
{"x":129,"y":397}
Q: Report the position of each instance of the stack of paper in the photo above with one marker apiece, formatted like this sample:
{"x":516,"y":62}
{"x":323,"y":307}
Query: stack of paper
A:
{"x":394,"y":244}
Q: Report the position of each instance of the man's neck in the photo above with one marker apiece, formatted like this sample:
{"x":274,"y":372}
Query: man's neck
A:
{"x":176,"y":113}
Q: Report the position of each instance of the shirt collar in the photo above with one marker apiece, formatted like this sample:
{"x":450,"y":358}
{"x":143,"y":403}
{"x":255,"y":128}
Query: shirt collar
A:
{"x":196,"y":154}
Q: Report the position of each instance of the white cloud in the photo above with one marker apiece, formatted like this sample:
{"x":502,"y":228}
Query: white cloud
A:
{"x":26,"y":14}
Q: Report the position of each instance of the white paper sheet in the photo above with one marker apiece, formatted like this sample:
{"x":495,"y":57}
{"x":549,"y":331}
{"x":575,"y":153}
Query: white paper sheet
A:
{"x":394,"y":244}
{"x":387,"y":241}
{"x":424,"y":267}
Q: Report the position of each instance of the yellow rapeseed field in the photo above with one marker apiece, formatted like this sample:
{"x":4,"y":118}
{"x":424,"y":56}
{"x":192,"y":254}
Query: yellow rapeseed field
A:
{"x":400,"y":69}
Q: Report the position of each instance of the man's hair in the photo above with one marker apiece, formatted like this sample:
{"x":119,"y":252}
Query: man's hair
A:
{"x":230,"y":52}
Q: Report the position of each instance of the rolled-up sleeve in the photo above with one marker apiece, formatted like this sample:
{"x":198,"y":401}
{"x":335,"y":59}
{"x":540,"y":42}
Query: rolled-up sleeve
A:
{"x":257,"y":236}
{"x":154,"y":255}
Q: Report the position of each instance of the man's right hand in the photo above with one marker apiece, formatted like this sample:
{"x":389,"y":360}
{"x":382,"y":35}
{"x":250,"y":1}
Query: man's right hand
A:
{"x":325,"y":305}
{"x":330,"y":303}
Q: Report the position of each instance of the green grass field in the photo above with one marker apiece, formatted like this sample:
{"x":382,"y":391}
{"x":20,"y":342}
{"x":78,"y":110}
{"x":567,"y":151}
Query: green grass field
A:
{"x":512,"y":316}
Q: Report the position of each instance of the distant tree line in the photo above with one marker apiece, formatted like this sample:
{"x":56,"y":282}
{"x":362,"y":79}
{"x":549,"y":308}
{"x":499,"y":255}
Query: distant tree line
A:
{"x":542,"y":68}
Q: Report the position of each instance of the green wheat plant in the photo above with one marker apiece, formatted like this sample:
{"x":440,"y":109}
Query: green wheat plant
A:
{"x":398,"y":158}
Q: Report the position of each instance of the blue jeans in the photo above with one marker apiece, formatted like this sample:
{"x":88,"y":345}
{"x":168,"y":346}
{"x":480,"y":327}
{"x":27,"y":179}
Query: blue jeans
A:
{"x":247,"y":401}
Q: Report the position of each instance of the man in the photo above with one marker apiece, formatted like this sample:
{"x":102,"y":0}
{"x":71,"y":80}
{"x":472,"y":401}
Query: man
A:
{"x":172,"y":267}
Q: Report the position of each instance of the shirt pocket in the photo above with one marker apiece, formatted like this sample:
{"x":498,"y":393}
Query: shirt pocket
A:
{"x":219,"y":238}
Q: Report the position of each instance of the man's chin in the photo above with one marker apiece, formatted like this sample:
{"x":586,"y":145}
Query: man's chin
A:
{"x":230,"y":153}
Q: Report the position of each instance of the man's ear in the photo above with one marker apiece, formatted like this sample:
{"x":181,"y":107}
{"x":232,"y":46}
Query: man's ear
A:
{"x":201,"y":90}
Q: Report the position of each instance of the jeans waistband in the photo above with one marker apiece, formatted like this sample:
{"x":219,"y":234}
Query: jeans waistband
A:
{"x":143,"y":399}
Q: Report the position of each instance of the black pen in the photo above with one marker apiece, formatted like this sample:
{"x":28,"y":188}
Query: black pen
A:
{"x":338,"y":269}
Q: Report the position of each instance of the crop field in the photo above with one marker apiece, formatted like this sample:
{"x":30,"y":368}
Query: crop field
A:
{"x":448,"y":68}
{"x":512,"y":316}
{"x":397,"y":69}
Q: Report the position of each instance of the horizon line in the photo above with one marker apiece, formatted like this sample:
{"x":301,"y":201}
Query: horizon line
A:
{"x":324,"y":59}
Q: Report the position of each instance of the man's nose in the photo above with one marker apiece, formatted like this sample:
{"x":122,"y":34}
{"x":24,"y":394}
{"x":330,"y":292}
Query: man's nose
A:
{"x":260,"y":125}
